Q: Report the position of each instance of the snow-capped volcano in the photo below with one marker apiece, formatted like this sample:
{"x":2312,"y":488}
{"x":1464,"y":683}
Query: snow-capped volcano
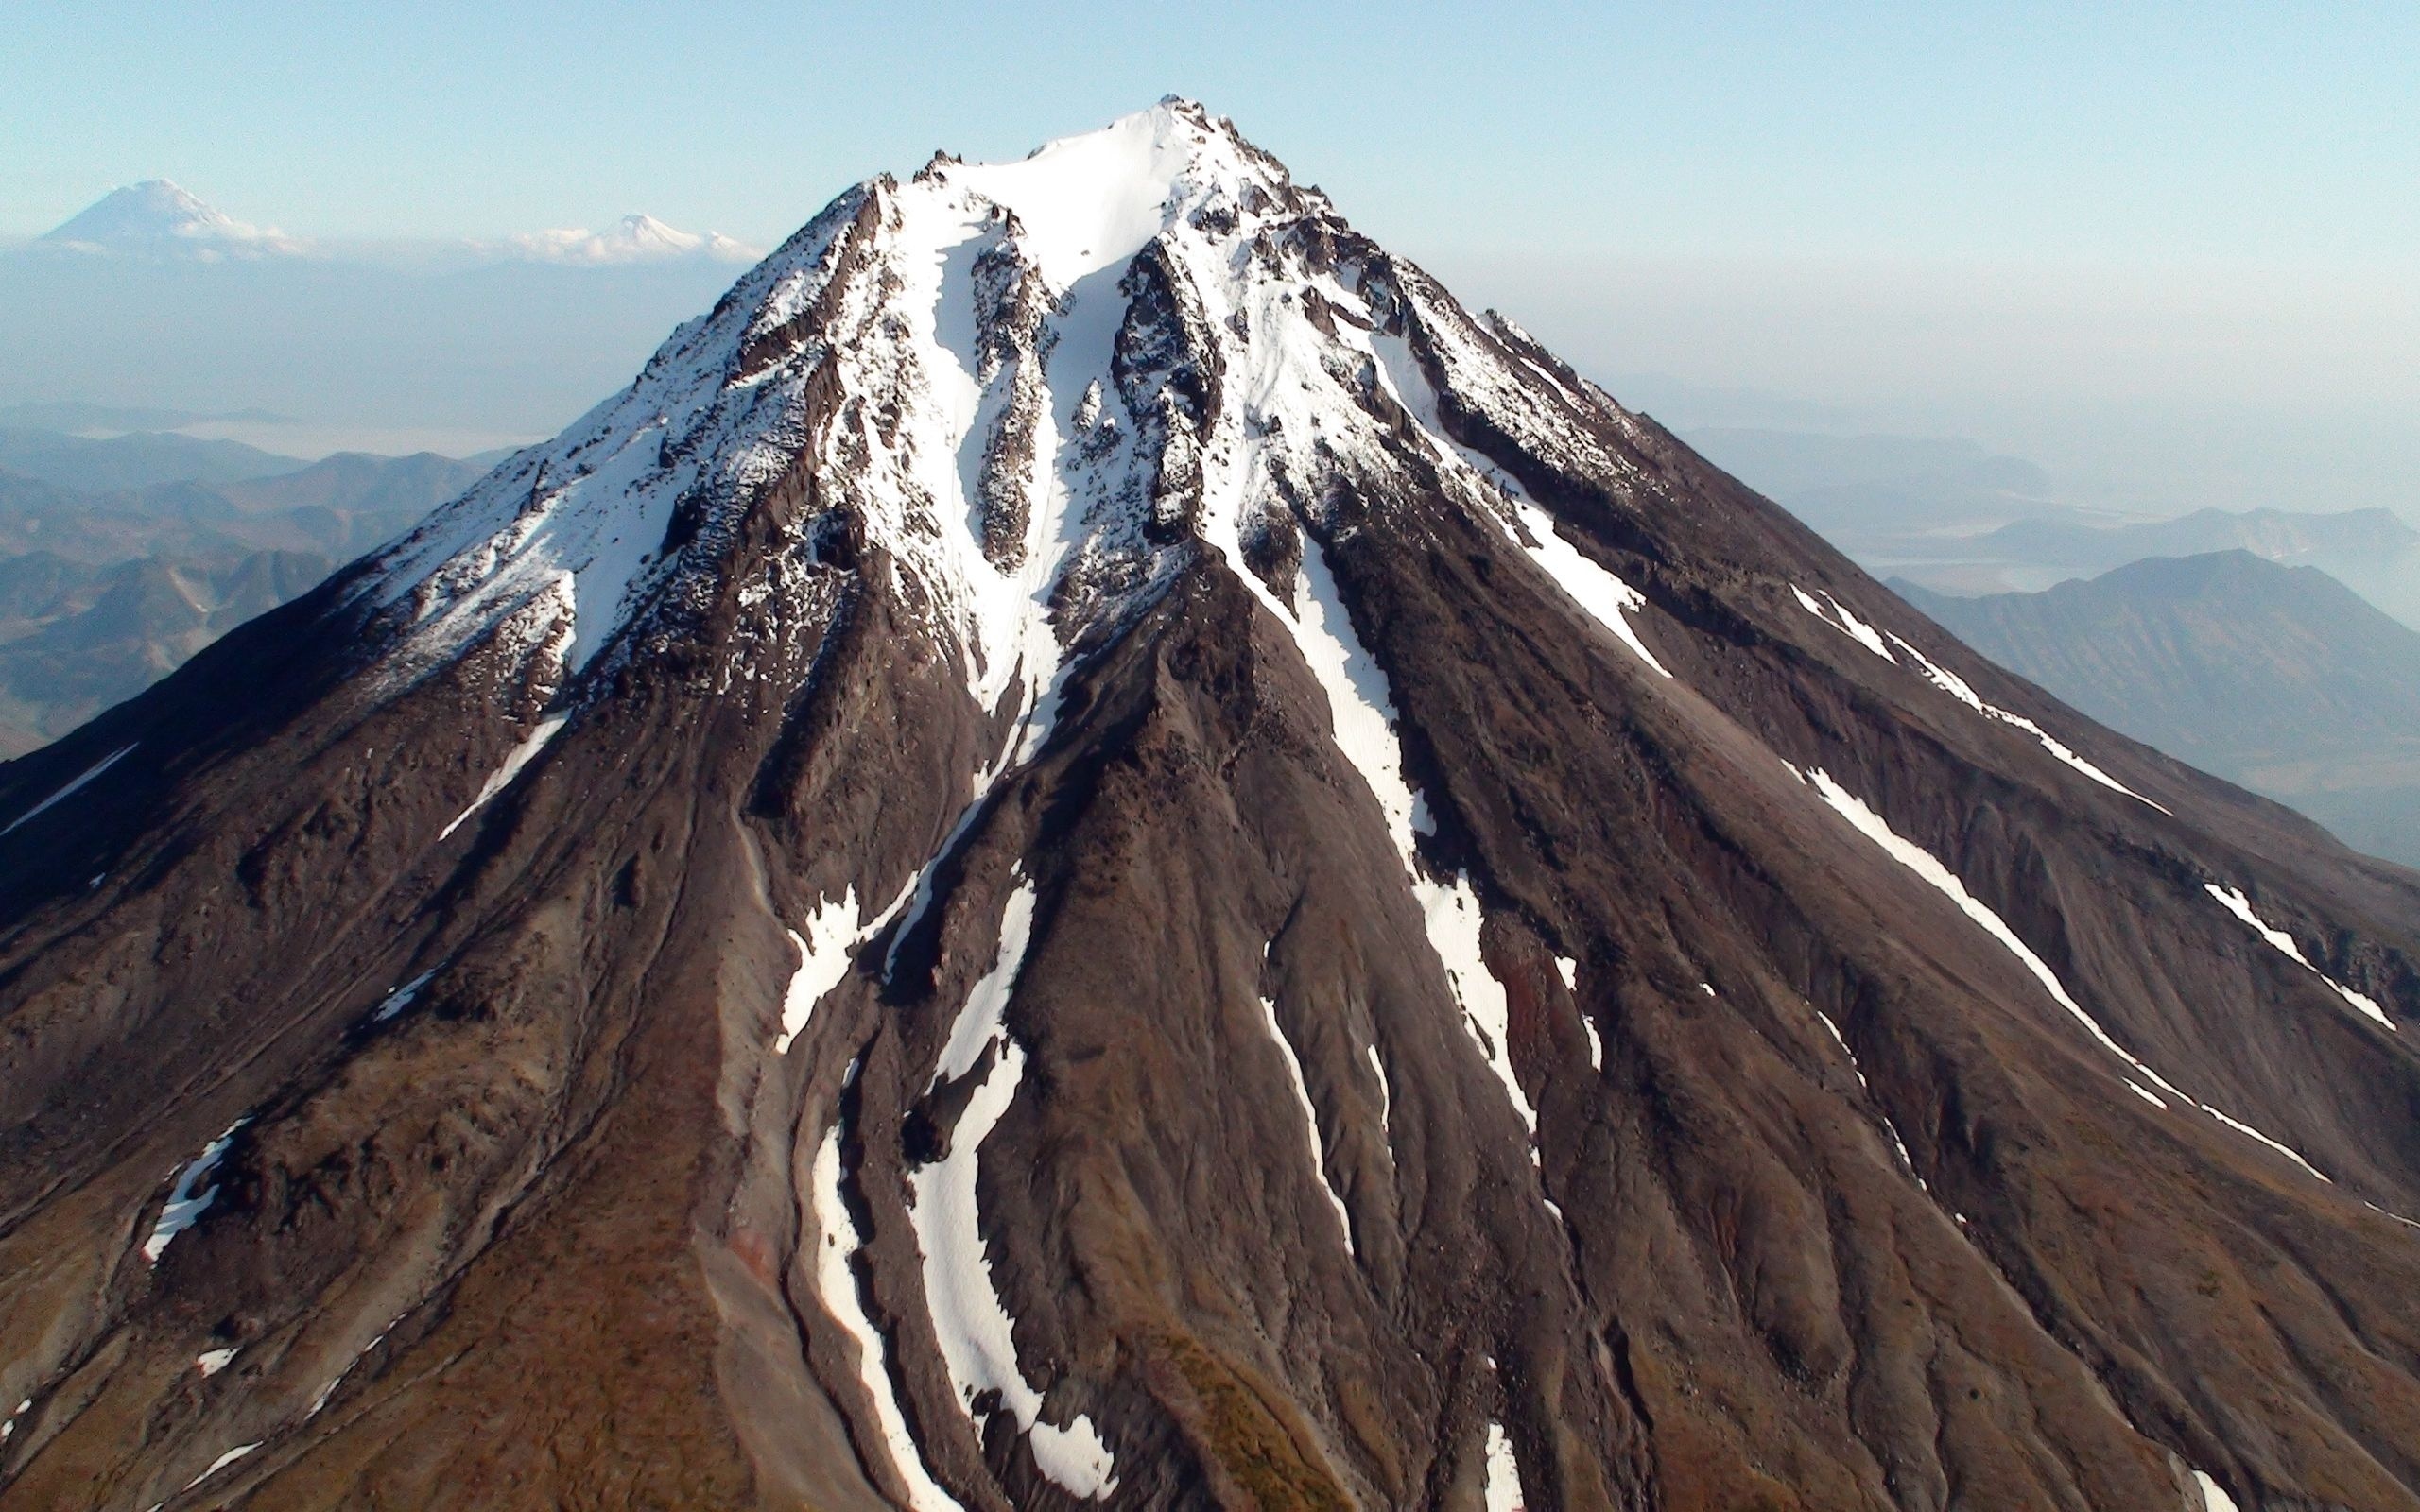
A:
{"x":632,"y":239}
{"x":160,"y":219}
{"x":1094,"y":849}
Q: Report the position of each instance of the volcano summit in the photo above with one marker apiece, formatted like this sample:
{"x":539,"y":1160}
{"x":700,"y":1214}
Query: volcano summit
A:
{"x":1094,"y":849}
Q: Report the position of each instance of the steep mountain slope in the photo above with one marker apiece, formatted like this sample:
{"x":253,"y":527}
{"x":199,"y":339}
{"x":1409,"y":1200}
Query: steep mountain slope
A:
{"x":2278,"y":678}
{"x":1093,"y":849}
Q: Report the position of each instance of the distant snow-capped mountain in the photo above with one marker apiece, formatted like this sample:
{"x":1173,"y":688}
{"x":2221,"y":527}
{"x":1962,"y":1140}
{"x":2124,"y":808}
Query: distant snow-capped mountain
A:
{"x":157,"y":217}
{"x":632,"y":239}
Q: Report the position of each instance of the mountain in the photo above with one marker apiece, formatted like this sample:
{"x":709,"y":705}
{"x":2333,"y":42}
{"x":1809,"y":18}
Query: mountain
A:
{"x":632,"y":239}
{"x":81,"y":639}
{"x":134,"y":460}
{"x":1094,"y":849}
{"x":157,"y":219}
{"x":2277,"y":535}
{"x":2278,"y":678}
{"x":101,"y":594}
{"x":1955,"y":518}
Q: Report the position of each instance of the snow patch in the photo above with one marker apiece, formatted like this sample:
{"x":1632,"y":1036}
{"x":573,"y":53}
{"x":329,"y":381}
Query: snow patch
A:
{"x":1568,"y":969}
{"x":1504,"y":1493}
{"x":1842,"y":620}
{"x":1960,"y":689}
{"x":223,"y":1462}
{"x":95,"y":770}
{"x":1362,"y":709}
{"x":330,"y":1389}
{"x":185,"y":1206}
{"x":835,"y":1280}
{"x":1839,"y":1040}
{"x":1594,"y":588}
{"x":1608,"y":600}
{"x":2214,"y":1497}
{"x":977,"y":1337}
{"x":1453,"y":914}
{"x":514,"y":759}
{"x":210,"y":1362}
{"x":1310,"y":1117}
{"x":823,"y":955}
{"x":2233,"y":902}
{"x":1901,"y":1146}
{"x":402,"y":998}
{"x":1361,"y":704}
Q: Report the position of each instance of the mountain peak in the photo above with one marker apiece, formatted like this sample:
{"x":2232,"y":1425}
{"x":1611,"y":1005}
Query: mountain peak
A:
{"x":1094,"y":847}
{"x":634,"y":239}
{"x":1094,"y":199}
{"x":158,"y":217}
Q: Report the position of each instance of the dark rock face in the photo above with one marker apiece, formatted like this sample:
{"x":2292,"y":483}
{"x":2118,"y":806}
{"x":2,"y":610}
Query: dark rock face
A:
{"x":1367,"y":931}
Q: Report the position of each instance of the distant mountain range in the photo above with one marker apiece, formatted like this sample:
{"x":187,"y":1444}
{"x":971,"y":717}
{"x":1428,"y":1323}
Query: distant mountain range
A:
{"x":158,"y":219}
{"x":2279,"y":678}
{"x":134,"y":460}
{"x":2276,"y":535}
{"x":632,"y":239}
{"x":153,"y":300}
{"x":114,"y":568}
{"x":1953,"y":516}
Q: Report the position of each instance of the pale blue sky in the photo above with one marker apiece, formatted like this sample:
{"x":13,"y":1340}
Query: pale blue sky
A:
{"x":2129,"y":134}
{"x":2172,"y":251}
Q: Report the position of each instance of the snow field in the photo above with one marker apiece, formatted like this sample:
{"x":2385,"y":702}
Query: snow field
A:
{"x":2233,"y":902}
{"x":835,"y":1281}
{"x":977,"y":1337}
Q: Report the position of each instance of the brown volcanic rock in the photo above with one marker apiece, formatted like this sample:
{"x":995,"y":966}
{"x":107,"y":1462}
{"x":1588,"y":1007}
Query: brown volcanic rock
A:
{"x":775,"y":955}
